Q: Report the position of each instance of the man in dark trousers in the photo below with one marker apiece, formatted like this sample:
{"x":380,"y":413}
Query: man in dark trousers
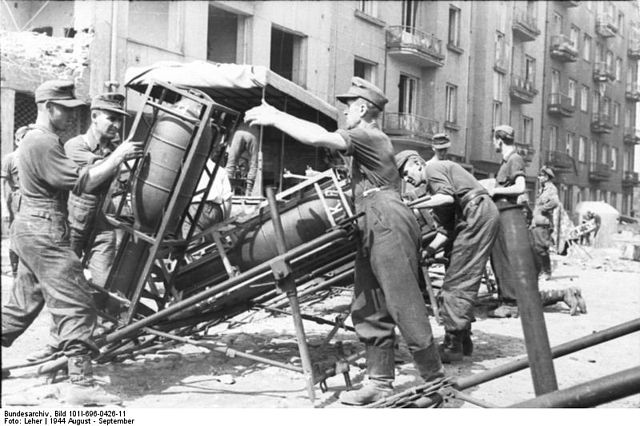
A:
{"x":448,"y":184}
{"x":50,"y":272}
{"x":542,"y":222}
{"x":386,"y":292}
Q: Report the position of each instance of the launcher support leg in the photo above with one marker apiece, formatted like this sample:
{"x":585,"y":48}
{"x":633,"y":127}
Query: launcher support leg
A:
{"x":285,"y":281}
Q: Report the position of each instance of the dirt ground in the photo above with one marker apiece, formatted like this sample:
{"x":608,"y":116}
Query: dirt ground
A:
{"x":186,"y":376}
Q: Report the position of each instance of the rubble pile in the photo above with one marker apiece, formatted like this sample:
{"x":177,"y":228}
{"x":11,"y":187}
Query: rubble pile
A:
{"x":37,"y":57}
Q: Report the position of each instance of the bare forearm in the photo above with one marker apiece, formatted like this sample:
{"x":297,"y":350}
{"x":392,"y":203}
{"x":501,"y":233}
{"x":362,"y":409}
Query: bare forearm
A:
{"x":516,"y":189}
{"x":101,"y":172}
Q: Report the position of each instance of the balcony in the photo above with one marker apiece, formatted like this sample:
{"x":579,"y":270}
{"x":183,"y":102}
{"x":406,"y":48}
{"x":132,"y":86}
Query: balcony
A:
{"x":563,"y":48}
{"x":525,"y":27}
{"x":630,"y":178}
{"x":501,"y":65}
{"x":634,"y":48}
{"x":602,"y":73}
{"x":560,"y":161}
{"x":599,"y":171}
{"x":631,"y":136}
{"x":526,"y":151}
{"x":414,"y":47}
{"x":633,"y":92}
{"x":606,"y":25}
{"x":601,"y":123}
{"x":560,"y":104}
{"x":522,"y":91}
{"x":409,"y":126}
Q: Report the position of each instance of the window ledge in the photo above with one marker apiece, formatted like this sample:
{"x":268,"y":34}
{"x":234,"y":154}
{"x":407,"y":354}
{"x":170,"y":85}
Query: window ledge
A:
{"x":451,"y":125}
{"x":457,"y":49}
{"x":371,"y":19}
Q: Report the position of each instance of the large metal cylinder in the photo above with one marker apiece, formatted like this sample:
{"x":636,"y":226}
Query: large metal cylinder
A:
{"x":165,"y":156}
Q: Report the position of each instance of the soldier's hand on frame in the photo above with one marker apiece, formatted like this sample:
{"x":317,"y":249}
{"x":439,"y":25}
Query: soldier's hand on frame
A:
{"x":262,"y":115}
{"x":129,"y":150}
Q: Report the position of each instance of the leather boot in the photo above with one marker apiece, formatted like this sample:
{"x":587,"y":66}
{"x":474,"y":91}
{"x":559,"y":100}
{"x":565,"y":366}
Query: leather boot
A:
{"x":467,"y":343}
{"x":451,"y":348}
{"x":380,"y":371}
{"x":83,"y":389}
{"x":428,"y":363}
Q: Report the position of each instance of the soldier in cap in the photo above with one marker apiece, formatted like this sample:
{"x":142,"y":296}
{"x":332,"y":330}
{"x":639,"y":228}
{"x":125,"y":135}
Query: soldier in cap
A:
{"x":50,"y":272}
{"x":440,"y":146}
{"x":542,"y":223}
{"x":386,"y":291}
{"x":11,"y":190}
{"x":476,"y":225}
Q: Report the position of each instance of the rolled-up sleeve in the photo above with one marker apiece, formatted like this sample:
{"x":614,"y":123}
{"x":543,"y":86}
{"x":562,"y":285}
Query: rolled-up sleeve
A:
{"x":54,"y":167}
{"x":516,"y":167}
{"x":439,"y":182}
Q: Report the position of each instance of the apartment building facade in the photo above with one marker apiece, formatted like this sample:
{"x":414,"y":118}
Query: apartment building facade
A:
{"x":459,"y":67}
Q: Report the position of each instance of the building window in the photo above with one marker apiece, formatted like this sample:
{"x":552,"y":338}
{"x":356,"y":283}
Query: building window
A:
{"x":604,"y":153}
{"x":569,"y":145}
{"x":582,"y":149}
{"x":606,"y":106}
{"x":568,"y":198}
{"x":618,"y":69}
{"x":614,"y":200}
{"x":572,"y":91}
{"x":529,"y":69}
{"x":627,"y":117}
{"x":364,"y":69}
{"x":609,"y":60}
{"x":557,"y":23}
{"x":287,"y":56}
{"x":584,"y":98}
{"x":225,"y":36}
{"x":586,"y":47}
{"x":451,"y":103}
{"x":500,"y":51}
{"x":553,"y":138}
{"x":593,"y":153}
{"x":621,"y":23}
{"x":555,"y":81}
{"x":409,"y":9}
{"x":164,"y":23}
{"x":527,"y":130}
{"x":496,"y":113}
{"x":498,"y":84}
{"x":454,"y":26}
{"x":616,"y":114}
{"x":574,"y":36}
{"x":408,"y":94}
{"x":367,"y":7}
{"x":614,"y":158}
{"x":627,"y":164}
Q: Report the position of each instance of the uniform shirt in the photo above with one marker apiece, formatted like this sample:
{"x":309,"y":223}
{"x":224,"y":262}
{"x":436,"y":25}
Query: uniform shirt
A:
{"x":220,"y":191}
{"x":511,"y":167}
{"x":373,"y":164}
{"x":448,"y":178}
{"x":546,"y":202}
{"x":86,"y":150}
{"x":10,"y":171}
{"x":45,"y":172}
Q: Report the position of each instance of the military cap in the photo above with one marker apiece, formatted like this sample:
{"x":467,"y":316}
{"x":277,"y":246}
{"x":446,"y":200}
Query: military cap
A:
{"x":441,"y":141}
{"x":110,"y":101}
{"x":547,"y":170}
{"x":59,"y":92}
{"x":403,"y":156}
{"x":506,"y":130}
{"x":363,"y":89}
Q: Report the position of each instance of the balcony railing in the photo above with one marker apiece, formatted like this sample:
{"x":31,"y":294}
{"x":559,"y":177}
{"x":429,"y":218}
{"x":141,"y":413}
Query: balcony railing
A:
{"x":563,"y":48}
{"x":602,"y":72}
{"x":630,"y":178}
{"x":525,"y":26}
{"x":410,"y":126}
{"x":414,"y":46}
{"x":606,"y":25}
{"x":601,"y":123}
{"x":599,"y":171}
{"x":561,"y":105}
{"x":633,"y":92}
{"x":522,"y":91}
{"x":560,"y":161}
{"x":634,"y":48}
{"x":631,"y":136}
{"x":526,"y":151}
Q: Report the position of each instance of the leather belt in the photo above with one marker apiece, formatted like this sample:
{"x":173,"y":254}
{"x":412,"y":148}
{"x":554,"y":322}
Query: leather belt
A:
{"x":474,"y":193}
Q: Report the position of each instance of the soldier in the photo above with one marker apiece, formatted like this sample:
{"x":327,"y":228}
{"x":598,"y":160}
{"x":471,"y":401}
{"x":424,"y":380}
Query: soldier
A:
{"x":245,"y":139}
{"x":386,"y":292}
{"x":50,"y":272}
{"x":448,"y":184}
{"x":440,"y":146}
{"x":542,"y":224}
{"x":11,"y":191}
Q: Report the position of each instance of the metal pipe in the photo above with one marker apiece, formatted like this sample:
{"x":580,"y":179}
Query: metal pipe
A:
{"x":589,"y":394}
{"x":190,"y":301}
{"x":557,"y":351}
{"x":290,"y":287}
